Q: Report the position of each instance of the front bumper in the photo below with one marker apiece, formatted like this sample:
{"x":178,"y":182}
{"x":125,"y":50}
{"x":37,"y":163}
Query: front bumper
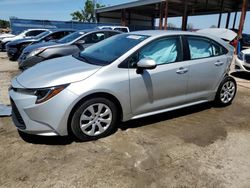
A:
{"x":47,"y":119}
{"x":12,"y":53}
{"x":241,"y":66}
{"x":2,"y":46}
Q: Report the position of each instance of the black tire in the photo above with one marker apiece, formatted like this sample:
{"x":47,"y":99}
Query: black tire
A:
{"x":75,"y":123}
{"x":218,"y":99}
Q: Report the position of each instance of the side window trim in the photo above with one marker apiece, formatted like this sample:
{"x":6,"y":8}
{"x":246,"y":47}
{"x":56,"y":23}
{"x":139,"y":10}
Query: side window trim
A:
{"x":125,"y":63}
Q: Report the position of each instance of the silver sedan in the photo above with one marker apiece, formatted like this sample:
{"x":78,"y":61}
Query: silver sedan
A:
{"x":125,"y":77}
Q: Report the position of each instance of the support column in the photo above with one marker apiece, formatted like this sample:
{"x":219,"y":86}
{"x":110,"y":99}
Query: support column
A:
{"x":243,"y":16}
{"x":166,"y":15}
{"x":185,"y":16}
{"x":153,"y":22}
{"x":123,"y":17}
{"x":220,"y":15}
{"x":228,"y":19}
{"x":161,"y":16}
{"x":235,"y":17}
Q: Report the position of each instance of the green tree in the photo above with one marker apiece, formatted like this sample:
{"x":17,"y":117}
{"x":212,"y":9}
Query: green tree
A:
{"x":4,"y":24}
{"x":88,"y":13}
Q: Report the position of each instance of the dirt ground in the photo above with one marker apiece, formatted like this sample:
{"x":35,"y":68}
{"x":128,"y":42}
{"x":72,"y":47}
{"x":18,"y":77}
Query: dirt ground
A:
{"x":201,"y":146}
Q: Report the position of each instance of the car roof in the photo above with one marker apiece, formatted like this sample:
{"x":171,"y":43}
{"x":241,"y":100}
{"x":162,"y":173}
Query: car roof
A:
{"x":159,"y":33}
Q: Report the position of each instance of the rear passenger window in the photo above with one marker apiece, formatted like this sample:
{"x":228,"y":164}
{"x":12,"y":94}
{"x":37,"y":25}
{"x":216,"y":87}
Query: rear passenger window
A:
{"x":200,"y":48}
{"x":218,"y":49}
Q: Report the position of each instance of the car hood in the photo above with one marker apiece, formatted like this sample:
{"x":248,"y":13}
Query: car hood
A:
{"x":19,"y":41}
{"x":56,"y":72}
{"x":32,"y":47}
{"x":247,"y":51}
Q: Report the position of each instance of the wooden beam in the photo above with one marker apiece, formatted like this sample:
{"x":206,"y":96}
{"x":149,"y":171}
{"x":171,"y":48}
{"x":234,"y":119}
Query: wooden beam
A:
{"x":185,"y":16}
{"x":161,"y":16}
{"x":228,"y":19}
{"x":235,"y":17}
{"x":166,"y":15}
{"x":123,"y":17}
{"x":243,"y":16}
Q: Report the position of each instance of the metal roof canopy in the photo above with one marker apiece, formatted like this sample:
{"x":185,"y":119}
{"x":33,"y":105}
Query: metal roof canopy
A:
{"x":175,"y":8}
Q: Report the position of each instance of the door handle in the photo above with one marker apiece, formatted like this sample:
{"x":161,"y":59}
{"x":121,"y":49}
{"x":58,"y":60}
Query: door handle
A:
{"x":182,"y":70}
{"x":219,"y":63}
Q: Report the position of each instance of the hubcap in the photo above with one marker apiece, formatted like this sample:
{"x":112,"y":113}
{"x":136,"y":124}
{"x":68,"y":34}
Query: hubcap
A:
{"x":95,"y":119}
{"x":227,"y":92}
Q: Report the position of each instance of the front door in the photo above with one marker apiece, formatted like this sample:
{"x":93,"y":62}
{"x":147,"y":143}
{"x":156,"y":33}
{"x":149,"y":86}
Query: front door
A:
{"x":166,"y":85}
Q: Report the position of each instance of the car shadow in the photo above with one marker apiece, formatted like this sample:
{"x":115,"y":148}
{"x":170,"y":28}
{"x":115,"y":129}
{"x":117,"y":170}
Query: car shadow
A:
{"x":165,"y":116}
{"x":241,"y":75}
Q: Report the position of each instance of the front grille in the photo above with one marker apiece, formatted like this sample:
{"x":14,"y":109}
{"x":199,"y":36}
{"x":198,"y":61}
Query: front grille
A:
{"x":247,"y":68}
{"x":17,"y":116}
{"x":247,"y":58}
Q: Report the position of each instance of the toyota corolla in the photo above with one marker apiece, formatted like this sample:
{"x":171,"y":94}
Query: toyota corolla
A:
{"x":125,"y":77}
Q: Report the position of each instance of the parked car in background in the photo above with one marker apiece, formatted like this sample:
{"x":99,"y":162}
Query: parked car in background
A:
{"x":116,"y":28}
{"x":242,"y":61}
{"x":245,"y":40}
{"x":15,"y":48}
{"x":69,"y":45}
{"x":6,"y":35}
{"x":127,"y":76}
{"x":25,"y":34}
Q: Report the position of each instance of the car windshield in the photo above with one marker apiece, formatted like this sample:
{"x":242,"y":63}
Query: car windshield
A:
{"x":106,"y":51}
{"x":41,"y":35}
{"x":71,"y":37}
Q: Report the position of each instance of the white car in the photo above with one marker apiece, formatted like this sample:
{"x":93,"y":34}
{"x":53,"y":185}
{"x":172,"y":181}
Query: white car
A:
{"x":25,"y":34}
{"x":242,"y":61}
{"x":6,"y":35}
{"x":116,"y":28}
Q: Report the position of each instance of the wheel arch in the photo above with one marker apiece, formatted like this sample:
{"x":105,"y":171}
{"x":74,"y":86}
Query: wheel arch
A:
{"x":91,"y":96}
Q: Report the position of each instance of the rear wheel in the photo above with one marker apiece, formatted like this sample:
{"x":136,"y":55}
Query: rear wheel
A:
{"x":226,"y":92}
{"x":94,"y":119}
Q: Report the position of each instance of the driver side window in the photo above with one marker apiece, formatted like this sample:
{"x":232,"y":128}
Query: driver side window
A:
{"x":162,"y":51}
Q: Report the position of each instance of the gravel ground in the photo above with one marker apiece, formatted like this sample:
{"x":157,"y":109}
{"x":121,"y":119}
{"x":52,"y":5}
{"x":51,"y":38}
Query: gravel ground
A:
{"x":201,"y":146}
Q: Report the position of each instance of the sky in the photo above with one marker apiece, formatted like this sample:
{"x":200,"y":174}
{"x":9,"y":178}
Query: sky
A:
{"x":61,"y":10}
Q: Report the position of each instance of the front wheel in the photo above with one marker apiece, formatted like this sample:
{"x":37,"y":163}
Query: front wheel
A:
{"x":226,"y":92}
{"x":94,"y":119}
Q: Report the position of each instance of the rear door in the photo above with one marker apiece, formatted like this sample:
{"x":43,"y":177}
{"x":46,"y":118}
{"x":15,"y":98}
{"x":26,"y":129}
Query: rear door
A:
{"x":207,"y":67}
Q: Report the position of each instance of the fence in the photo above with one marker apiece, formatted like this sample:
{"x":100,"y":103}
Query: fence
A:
{"x":19,"y":25}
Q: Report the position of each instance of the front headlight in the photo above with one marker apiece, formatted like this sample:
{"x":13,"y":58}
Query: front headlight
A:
{"x":45,"y":94}
{"x":36,"y":52}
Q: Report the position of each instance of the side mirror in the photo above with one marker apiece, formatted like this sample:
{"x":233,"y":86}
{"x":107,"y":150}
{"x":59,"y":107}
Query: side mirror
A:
{"x":147,"y":63}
